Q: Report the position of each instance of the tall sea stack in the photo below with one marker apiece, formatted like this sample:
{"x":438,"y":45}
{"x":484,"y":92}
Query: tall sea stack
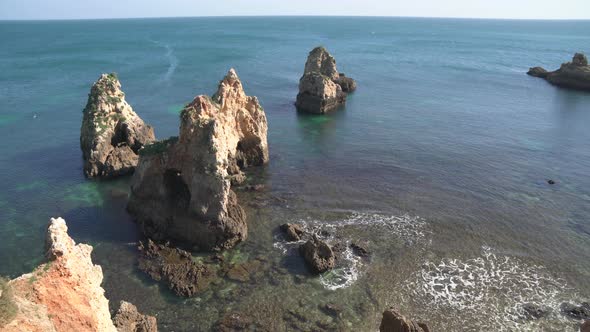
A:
{"x":111,"y":133}
{"x":181,"y":190}
{"x":322,"y":88}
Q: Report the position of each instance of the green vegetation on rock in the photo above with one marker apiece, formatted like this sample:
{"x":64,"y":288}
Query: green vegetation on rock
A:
{"x":158,"y":147}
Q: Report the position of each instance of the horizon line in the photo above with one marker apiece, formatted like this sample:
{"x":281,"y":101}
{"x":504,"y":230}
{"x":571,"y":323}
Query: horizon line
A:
{"x":292,"y":16}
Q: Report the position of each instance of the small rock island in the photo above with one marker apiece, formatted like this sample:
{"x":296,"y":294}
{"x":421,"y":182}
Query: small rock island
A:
{"x":322,"y":88}
{"x":182,"y":188}
{"x":112,"y":133}
{"x":571,"y":75}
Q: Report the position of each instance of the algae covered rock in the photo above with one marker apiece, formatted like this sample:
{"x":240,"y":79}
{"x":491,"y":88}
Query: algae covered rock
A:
{"x":182,"y":188}
{"x":322,"y":88}
{"x":112,"y":133}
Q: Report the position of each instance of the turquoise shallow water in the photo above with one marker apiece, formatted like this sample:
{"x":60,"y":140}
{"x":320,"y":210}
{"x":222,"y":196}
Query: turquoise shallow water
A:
{"x":439,"y":160}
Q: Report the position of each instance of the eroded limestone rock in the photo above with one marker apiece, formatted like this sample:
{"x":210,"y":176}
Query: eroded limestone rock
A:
{"x":322,"y":88}
{"x":175,"y":267}
{"x":572,"y":75}
{"x":393,"y":321}
{"x":63,"y":294}
{"x":181,"y":189}
{"x":111,"y":133}
{"x":128,"y":319}
{"x":318,"y":255}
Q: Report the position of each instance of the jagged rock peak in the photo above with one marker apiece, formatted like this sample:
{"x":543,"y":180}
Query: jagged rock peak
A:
{"x":321,"y":61}
{"x":580,"y":60}
{"x":111,"y":133}
{"x":182,"y":188}
{"x":65,"y":293}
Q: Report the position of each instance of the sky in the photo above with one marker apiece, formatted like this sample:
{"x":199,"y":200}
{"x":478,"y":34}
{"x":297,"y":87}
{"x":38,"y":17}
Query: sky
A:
{"x":88,"y":9}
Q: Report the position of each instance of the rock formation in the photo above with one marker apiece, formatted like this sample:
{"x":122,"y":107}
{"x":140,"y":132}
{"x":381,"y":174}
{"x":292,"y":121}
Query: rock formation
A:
{"x":128,"y":319}
{"x":181,"y":189}
{"x":322,"y":88}
{"x":293,"y":232}
{"x":585,"y":326}
{"x":392,"y":321}
{"x":318,"y":255}
{"x":572,"y":75}
{"x":111,"y":133}
{"x":63,"y":294}
{"x":175,"y":267}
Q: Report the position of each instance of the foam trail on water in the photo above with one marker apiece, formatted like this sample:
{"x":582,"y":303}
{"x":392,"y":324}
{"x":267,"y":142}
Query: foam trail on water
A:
{"x":494,"y":288}
{"x":172,"y":59}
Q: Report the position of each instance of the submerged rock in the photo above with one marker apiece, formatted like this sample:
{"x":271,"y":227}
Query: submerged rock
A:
{"x":318,"y":255}
{"x":63,"y":294}
{"x":181,"y":189}
{"x":392,"y":321}
{"x":533,"y":311}
{"x":293,"y":232}
{"x":322,"y":88}
{"x":175,"y":267}
{"x":585,"y":327}
{"x":572,"y":75}
{"x":581,"y":311}
{"x":128,"y":319}
{"x":111,"y":133}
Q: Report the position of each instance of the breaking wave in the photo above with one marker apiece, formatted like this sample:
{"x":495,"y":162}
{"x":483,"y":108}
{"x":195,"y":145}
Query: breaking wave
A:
{"x":349,"y":267}
{"x":492,"y":289}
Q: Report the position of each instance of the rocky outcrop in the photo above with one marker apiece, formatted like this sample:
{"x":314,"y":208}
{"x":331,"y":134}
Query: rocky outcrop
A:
{"x":63,"y":294}
{"x":111,"y":133}
{"x":322,"y":88}
{"x":181,"y":190}
{"x":318,"y":255}
{"x":572,"y":75}
{"x":175,"y":267}
{"x":292,"y":232}
{"x":392,"y":321}
{"x":128,"y":319}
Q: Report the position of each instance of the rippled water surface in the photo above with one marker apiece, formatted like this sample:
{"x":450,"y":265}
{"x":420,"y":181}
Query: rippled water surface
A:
{"x":439,"y":163}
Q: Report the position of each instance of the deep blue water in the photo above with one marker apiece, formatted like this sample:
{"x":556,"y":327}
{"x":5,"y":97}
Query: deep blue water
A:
{"x":444,"y":127}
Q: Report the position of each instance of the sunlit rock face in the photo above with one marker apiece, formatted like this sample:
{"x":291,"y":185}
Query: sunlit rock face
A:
{"x":181,"y":190}
{"x":322,"y":88}
{"x":111,"y":133}
{"x":63,"y":294}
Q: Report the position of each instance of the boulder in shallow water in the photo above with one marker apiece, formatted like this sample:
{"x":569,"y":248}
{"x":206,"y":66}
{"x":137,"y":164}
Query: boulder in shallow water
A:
{"x":571,"y":75}
{"x":112,"y":133}
{"x":293,"y":232}
{"x":175,"y":267}
{"x":322,"y":88}
{"x":128,"y":319}
{"x":181,"y":190}
{"x":392,"y":321}
{"x":534,"y":311}
{"x":318,"y":255}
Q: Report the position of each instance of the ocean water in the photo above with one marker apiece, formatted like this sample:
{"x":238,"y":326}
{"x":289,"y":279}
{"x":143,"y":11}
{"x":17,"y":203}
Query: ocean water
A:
{"x":439,"y":162}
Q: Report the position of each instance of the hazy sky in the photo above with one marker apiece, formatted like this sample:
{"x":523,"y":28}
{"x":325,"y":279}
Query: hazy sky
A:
{"x":77,"y":9}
